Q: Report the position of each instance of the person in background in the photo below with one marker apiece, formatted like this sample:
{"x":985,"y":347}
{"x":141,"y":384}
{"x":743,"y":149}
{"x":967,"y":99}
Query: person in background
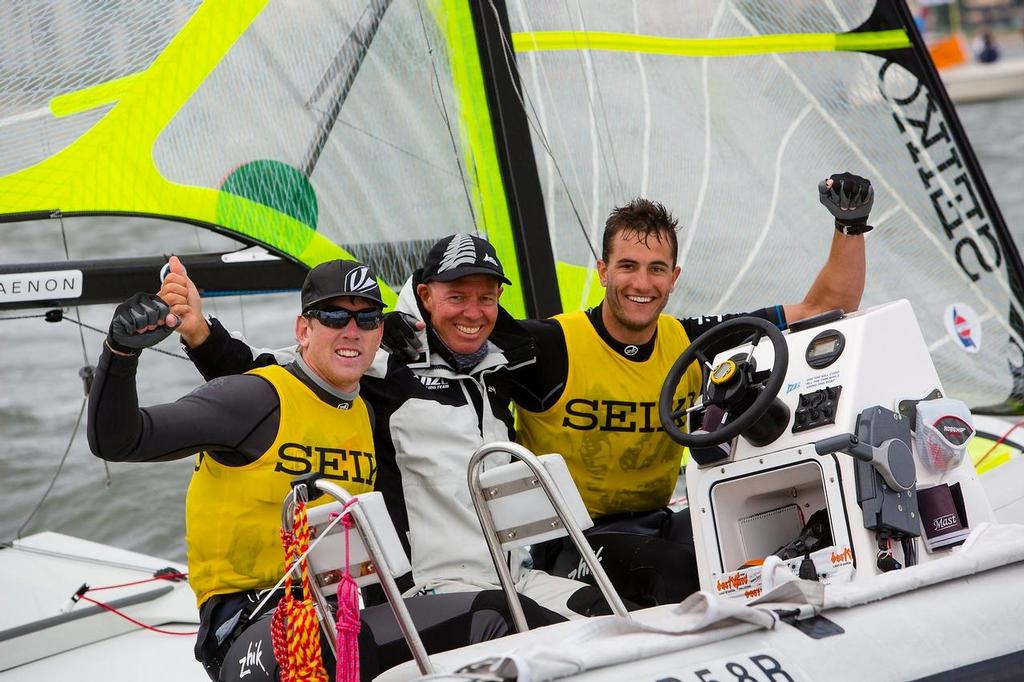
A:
{"x":987,"y":51}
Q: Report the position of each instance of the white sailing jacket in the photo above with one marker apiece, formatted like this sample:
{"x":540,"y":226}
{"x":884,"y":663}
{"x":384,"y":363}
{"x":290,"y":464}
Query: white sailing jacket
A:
{"x":436,"y":417}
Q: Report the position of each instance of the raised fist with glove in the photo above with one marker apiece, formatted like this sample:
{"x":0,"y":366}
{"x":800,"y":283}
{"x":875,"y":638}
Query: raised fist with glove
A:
{"x":849,"y":198}
{"x":142,"y":321}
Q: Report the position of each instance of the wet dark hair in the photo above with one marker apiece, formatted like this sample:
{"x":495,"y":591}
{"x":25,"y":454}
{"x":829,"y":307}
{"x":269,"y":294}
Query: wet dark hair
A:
{"x":645,"y":219}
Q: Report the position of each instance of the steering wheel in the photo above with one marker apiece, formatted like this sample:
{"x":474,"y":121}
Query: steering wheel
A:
{"x":724,"y":377}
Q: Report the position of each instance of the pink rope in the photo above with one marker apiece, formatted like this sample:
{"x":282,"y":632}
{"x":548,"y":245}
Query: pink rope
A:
{"x":347,"y":665}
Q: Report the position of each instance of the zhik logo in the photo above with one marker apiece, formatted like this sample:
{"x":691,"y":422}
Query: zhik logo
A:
{"x":252,"y":658}
{"x":792,"y":387}
{"x":433,"y":383}
{"x":582,"y":570}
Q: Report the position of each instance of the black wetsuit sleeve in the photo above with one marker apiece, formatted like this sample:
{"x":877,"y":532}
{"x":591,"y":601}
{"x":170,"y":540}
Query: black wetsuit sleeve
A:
{"x":222,"y":354}
{"x":538,"y":386}
{"x":695,"y":326}
{"x":235,"y":418}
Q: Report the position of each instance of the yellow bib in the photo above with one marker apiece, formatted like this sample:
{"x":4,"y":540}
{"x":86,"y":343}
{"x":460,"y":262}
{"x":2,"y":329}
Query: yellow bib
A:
{"x":606,"y":422}
{"x":233,"y":514}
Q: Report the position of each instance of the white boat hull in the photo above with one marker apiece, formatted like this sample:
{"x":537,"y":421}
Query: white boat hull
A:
{"x":982,"y":82}
{"x":40,"y":642}
{"x":953,"y":625}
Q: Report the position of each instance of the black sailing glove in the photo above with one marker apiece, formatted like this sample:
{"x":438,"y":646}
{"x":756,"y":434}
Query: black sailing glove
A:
{"x":137,"y":313}
{"x":849,"y":199}
{"x":400,"y":336}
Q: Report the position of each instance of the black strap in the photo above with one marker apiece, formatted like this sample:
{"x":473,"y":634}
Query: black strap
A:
{"x":850,"y":230}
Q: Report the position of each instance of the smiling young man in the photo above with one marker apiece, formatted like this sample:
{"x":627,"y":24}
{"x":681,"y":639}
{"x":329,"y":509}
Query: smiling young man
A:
{"x":250,"y":434}
{"x":593,"y":394}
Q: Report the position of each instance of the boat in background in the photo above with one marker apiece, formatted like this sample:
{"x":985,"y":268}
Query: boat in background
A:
{"x":978,"y":82}
{"x":967,"y":80}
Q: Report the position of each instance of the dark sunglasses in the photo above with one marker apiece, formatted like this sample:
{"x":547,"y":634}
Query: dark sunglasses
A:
{"x":337,"y":318}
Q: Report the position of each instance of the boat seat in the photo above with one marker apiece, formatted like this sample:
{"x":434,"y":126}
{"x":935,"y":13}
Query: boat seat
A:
{"x":375,"y":555}
{"x":530,"y":500}
{"x":327,"y":560}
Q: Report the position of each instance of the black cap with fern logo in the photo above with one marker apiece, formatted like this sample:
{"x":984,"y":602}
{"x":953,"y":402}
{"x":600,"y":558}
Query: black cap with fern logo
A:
{"x":340,"y":278}
{"x":461,"y":255}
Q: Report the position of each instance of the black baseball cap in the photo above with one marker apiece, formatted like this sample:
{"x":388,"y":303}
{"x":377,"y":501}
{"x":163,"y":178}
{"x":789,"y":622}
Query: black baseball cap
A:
{"x":340,"y":278}
{"x":460,"y":255}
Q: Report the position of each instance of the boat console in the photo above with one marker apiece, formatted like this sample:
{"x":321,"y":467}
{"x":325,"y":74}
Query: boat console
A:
{"x":821,"y":466}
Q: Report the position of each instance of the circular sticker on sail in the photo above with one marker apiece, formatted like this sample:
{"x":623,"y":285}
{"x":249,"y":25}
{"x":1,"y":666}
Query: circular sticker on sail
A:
{"x":964,"y":325}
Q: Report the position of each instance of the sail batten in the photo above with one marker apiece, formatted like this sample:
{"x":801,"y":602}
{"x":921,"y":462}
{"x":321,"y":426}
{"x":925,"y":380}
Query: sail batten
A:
{"x":546,"y":41}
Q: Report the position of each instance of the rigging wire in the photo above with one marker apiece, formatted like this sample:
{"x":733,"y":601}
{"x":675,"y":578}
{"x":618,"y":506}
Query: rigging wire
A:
{"x":522,"y":98}
{"x":356,"y":46}
{"x":88,"y":368}
{"x":67,"y":255}
{"x":104,"y":332}
{"x":999,"y":441}
{"x":600,"y":101}
{"x":447,"y":120}
{"x":85,"y":373}
{"x":60,"y":467}
{"x":540,"y":75}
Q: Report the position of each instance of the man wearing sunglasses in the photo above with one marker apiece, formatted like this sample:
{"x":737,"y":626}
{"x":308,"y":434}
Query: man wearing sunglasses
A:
{"x":254,"y":433}
{"x":431,"y":414}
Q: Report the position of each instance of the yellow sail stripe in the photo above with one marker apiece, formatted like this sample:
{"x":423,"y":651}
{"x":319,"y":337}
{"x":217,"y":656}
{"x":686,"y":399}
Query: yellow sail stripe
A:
{"x":93,"y":97}
{"x":548,"y":41}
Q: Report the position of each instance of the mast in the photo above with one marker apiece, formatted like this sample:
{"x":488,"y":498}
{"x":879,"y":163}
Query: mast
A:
{"x":539,"y":282}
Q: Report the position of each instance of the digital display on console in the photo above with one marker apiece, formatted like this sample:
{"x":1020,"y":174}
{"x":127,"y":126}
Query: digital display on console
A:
{"x":825,"y":348}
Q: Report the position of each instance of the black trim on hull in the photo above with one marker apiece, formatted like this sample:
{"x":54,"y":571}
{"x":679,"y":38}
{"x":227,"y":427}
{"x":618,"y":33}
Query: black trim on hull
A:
{"x":81,"y":612}
{"x":1005,"y":668}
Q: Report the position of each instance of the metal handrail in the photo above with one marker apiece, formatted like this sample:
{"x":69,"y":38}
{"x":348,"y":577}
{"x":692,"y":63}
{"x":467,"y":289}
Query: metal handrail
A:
{"x":387,"y":581}
{"x":549,"y":487}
